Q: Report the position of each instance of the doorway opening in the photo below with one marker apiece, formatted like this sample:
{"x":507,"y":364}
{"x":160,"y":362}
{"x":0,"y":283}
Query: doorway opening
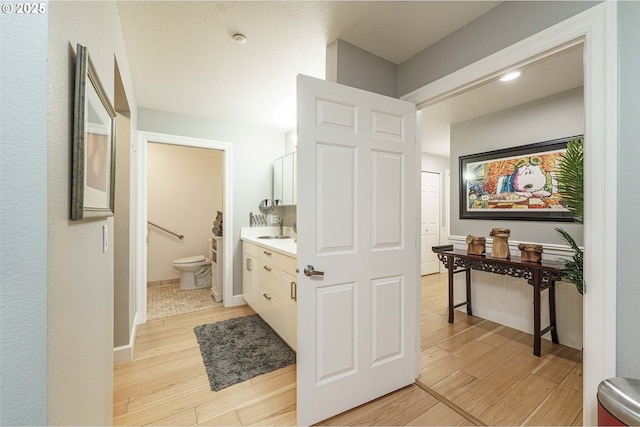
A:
{"x":596,"y":30}
{"x":546,"y":101}
{"x":144,"y":139}
{"x":184,"y":198}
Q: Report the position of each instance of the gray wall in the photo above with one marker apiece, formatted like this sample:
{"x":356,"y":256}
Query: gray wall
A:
{"x":502,"y":26}
{"x":351,"y":66}
{"x":253,"y":153}
{"x":550,"y":118}
{"x":80,"y":275}
{"x":23,"y":219}
{"x":628,"y":178}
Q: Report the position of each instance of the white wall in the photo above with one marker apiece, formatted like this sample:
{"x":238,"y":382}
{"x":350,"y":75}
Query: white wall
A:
{"x":290,"y":141}
{"x":503,"y":299}
{"x":23,"y":219}
{"x":184,"y":193}
{"x":253,"y":153}
{"x":80,"y":276}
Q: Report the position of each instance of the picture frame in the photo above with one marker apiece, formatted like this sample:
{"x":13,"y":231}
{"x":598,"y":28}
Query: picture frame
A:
{"x":519,"y":183}
{"x":93,"y":145}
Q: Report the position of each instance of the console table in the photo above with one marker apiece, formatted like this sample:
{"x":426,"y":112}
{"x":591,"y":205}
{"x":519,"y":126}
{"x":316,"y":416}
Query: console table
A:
{"x":540,"y":275}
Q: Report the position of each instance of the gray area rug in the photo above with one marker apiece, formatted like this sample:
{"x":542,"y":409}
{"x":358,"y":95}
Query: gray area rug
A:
{"x":236,"y":350}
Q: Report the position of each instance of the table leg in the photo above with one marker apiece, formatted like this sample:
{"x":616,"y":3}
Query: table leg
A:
{"x":468,"y":277}
{"x":552,"y":313}
{"x":536,"y":313}
{"x":450,"y":269}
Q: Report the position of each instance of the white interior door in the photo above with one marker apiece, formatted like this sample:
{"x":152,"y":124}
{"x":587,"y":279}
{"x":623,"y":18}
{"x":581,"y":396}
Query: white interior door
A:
{"x":430,"y":232}
{"x":358,"y":219}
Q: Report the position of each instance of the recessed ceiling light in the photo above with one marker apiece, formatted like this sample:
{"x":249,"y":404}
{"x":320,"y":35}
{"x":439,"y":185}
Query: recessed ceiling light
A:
{"x":510,"y":76}
{"x":239,"y":38}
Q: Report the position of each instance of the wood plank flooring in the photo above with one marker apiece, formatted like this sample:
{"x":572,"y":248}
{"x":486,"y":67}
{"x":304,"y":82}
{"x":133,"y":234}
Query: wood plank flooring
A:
{"x":474,"y":372}
{"x":488,"y":370}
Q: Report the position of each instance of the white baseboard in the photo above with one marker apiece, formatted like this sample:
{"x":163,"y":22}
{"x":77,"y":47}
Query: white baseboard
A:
{"x":124,"y":353}
{"x":235,"y":301}
{"x":141,"y":318}
{"x":522,"y":325}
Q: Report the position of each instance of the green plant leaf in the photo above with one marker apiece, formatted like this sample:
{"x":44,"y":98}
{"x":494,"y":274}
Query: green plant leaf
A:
{"x":571,"y":178}
{"x":573,"y":270}
{"x":571,"y":189}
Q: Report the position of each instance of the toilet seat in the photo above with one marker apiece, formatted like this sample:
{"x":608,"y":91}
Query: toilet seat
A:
{"x":189,"y":259}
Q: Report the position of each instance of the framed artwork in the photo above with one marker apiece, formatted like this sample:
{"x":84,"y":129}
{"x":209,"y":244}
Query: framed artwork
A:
{"x":93,"y":145}
{"x":518,"y":183}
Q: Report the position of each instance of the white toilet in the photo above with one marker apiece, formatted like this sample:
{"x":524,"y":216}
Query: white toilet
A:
{"x":196,"y":272}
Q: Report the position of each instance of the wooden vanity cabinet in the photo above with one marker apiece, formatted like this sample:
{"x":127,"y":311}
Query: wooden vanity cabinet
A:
{"x":270,"y":288}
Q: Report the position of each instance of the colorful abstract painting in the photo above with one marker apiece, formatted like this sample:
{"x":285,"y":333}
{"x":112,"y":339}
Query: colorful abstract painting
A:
{"x":516,"y":183}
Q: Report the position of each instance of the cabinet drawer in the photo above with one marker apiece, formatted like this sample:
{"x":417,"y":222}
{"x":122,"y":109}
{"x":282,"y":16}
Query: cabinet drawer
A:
{"x":289,"y":265}
{"x":251,"y":249}
{"x":267,"y":274}
{"x":284,"y":262}
{"x":269,"y":307}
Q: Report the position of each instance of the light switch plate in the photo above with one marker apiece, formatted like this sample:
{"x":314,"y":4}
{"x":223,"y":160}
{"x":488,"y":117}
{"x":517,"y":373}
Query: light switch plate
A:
{"x":105,"y":238}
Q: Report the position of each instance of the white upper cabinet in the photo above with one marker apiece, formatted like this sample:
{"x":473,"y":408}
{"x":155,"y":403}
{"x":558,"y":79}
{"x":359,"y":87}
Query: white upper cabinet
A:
{"x":277,"y":180}
{"x":284,"y":180}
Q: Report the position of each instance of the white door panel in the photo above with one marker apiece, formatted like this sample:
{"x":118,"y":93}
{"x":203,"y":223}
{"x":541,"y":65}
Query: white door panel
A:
{"x":430,"y":223}
{"x":358,"y":219}
{"x":336,"y":210}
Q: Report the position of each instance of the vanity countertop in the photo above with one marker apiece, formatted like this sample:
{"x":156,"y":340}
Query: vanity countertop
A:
{"x":287,"y":247}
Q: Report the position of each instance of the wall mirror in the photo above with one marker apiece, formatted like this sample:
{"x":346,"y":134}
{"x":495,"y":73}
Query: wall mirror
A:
{"x":266,"y":206}
{"x":93,"y":145}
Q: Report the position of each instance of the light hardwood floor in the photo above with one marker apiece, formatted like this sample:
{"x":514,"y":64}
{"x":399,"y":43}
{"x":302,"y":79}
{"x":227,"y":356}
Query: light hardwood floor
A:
{"x":488,"y":370}
{"x":474,"y":371}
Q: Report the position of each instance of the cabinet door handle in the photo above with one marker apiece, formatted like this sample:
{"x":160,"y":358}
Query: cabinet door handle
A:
{"x":294,"y":291}
{"x":266,"y":253}
{"x":248,"y":264}
{"x":267,"y":296}
{"x":266,"y":267}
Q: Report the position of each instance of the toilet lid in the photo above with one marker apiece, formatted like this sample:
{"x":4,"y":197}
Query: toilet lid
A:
{"x":189,"y":259}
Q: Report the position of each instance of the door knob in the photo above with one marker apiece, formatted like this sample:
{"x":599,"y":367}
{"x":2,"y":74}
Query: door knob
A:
{"x":310,"y":271}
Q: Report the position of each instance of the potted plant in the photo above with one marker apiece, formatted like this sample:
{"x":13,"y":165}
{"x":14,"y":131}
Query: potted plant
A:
{"x":571,"y":188}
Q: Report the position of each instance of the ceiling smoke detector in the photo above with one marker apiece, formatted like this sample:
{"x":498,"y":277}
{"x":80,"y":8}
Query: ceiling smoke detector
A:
{"x":239,"y":38}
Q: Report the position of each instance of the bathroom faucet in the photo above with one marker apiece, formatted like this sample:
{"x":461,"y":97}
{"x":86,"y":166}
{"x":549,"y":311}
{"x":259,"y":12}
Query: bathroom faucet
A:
{"x":280,"y":224}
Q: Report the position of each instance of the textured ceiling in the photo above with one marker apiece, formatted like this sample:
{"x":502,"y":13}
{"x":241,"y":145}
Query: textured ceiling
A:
{"x":183,"y":58}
